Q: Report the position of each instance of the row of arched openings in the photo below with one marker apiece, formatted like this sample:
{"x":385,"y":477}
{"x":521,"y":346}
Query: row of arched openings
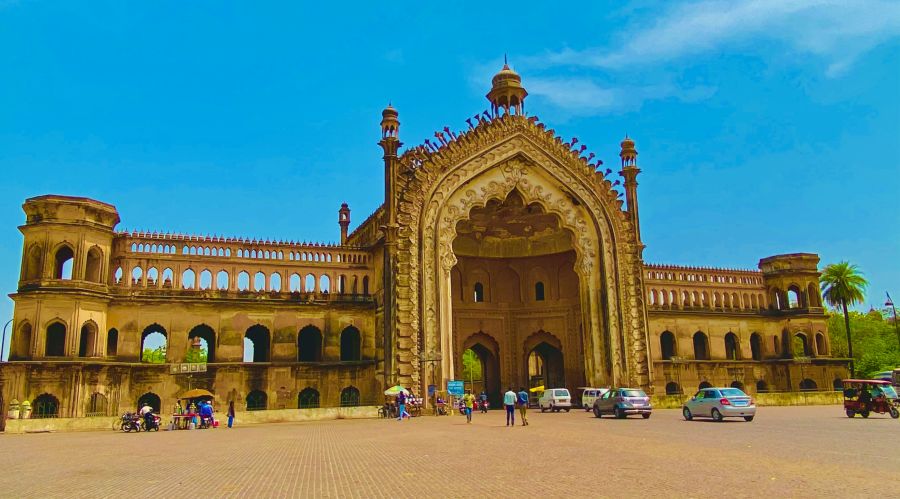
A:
{"x":63,"y":264}
{"x":700,"y":340}
{"x":703,"y":299}
{"x":260,"y":282}
{"x":257,"y":343}
{"x":673,"y":388}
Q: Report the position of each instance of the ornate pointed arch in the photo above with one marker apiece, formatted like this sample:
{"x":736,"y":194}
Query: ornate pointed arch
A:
{"x":438,"y":189}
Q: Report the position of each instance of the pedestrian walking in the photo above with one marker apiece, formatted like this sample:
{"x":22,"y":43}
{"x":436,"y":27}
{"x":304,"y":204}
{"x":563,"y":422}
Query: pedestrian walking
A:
{"x":230,"y":413}
{"x":509,"y":400}
{"x":522,"y":401}
{"x":469,"y":402}
{"x":401,"y":406}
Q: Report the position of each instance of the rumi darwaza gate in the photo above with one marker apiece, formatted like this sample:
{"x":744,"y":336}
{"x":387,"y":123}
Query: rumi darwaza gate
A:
{"x":503,"y":240}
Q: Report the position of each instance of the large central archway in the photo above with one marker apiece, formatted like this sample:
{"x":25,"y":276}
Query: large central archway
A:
{"x":489,"y":162}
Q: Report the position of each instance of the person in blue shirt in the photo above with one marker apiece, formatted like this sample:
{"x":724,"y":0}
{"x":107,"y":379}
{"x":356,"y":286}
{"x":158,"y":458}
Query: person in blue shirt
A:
{"x":206,"y":413}
{"x":522,"y":402}
{"x":509,"y":401}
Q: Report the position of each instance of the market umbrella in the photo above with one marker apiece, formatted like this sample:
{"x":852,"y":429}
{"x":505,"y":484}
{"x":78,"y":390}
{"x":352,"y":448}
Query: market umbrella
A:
{"x":196,"y":393}
{"x":395,"y":390}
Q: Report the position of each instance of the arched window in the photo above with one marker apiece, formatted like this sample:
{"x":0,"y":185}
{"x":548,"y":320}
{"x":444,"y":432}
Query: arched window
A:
{"x":672,"y":388}
{"x":325,"y":284}
{"x":342,"y":284}
{"x":56,"y":340}
{"x":63,"y":263}
{"x":793,"y":297}
{"x":87,"y":343}
{"x":256,"y":344}
{"x":150,"y":399}
{"x":259,"y":282}
{"x":737,"y":384}
{"x":701,"y":346}
{"x":808,"y":385}
{"x":732,"y":347}
{"x":152,"y":276}
{"x":203,"y":349}
{"x":479,"y":292}
{"x":309,"y":345}
{"x":366,"y":285}
{"x":93,"y":264}
{"x":821,"y":349}
{"x":539,"y":291}
{"x":243,"y":281}
{"x":20,"y":349}
{"x":294,"y":283}
{"x":45,"y":406}
{"x":812,"y":295}
{"x":188,"y":279}
{"x":350,"y":344}
{"x":275,"y":282}
{"x":667,"y":345}
{"x":309,"y":283}
{"x":222,"y":280}
{"x":762,"y":386}
{"x":838,"y":384}
{"x":801,"y":345}
{"x":256,"y":400}
{"x":206,"y":280}
{"x":308,"y":399}
{"x":349,"y":397}
{"x":96,"y":405}
{"x":756,"y":346}
{"x":112,"y":343}
{"x":704,"y":384}
{"x":154,"y":344}
{"x":167,"y":277}
{"x":33,"y":263}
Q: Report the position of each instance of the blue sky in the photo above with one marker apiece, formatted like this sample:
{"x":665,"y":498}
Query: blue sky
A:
{"x":763,"y":127}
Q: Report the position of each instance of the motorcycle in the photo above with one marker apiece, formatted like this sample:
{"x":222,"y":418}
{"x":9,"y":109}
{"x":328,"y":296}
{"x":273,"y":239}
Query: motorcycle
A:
{"x":485,"y":405}
{"x":131,"y":422}
{"x":206,"y":422}
{"x":152,"y":424}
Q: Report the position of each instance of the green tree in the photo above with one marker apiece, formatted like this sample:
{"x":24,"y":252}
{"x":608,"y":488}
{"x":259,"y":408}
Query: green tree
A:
{"x":155,"y":355}
{"x":843,"y":285}
{"x":874,"y":346}
{"x":196,"y":356}
{"x":471,"y":366}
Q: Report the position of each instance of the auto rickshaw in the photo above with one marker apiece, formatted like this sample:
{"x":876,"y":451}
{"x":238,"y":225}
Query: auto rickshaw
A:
{"x":864,"y":396}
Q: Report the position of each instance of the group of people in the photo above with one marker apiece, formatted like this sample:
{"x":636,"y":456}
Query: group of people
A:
{"x":401,"y":405}
{"x":204,"y":410}
{"x":511,"y":401}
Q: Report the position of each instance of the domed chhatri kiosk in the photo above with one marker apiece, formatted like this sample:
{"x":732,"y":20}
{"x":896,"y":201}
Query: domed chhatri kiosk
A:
{"x":503,"y":255}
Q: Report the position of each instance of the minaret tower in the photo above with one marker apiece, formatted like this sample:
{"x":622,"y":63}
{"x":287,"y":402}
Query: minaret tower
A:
{"x":390,"y":143}
{"x":630,"y":172}
{"x":507,"y":92}
{"x":344,"y":221}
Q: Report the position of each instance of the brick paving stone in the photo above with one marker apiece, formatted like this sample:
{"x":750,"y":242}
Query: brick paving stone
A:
{"x":786,"y":451}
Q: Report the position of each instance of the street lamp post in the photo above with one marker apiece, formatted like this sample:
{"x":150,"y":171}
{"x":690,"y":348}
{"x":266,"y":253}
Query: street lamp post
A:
{"x":3,"y":340}
{"x":890,"y":303}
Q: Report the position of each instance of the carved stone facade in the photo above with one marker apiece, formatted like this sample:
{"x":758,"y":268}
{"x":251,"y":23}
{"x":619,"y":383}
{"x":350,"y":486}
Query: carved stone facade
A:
{"x":502,"y":239}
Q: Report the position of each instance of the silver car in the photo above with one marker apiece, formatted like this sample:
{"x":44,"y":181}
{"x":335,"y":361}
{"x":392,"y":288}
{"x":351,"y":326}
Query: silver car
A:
{"x":720,"y":403}
{"x":621,"y":402}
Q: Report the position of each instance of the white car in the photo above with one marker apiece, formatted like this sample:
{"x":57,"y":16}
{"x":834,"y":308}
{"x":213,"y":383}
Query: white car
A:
{"x":555,"y":399}
{"x":589,"y":395}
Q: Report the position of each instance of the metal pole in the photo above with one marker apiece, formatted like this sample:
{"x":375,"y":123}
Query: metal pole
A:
{"x":889,"y":303}
{"x":3,"y":341}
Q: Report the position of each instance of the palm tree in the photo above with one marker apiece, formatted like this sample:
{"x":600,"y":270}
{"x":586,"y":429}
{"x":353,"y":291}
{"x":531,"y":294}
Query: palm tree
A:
{"x":843,"y":285}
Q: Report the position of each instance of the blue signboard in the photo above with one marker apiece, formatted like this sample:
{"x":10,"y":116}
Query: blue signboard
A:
{"x":455,"y":387}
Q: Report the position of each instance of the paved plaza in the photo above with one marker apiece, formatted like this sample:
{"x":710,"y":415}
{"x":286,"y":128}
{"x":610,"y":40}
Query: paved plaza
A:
{"x":786,"y":451}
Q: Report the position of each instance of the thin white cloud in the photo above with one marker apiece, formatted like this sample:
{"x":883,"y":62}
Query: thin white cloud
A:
{"x":836,"y":30}
{"x":583,"y":96}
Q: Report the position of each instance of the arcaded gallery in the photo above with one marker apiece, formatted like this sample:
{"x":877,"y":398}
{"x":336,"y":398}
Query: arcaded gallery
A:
{"x":501,"y":242}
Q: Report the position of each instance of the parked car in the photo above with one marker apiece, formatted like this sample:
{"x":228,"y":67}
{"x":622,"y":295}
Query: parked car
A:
{"x":589,"y":395}
{"x":621,"y":402}
{"x":555,"y":399}
{"x":720,"y":403}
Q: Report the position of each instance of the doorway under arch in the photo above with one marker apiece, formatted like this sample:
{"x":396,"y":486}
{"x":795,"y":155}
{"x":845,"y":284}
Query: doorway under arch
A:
{"x":545,"y":366}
